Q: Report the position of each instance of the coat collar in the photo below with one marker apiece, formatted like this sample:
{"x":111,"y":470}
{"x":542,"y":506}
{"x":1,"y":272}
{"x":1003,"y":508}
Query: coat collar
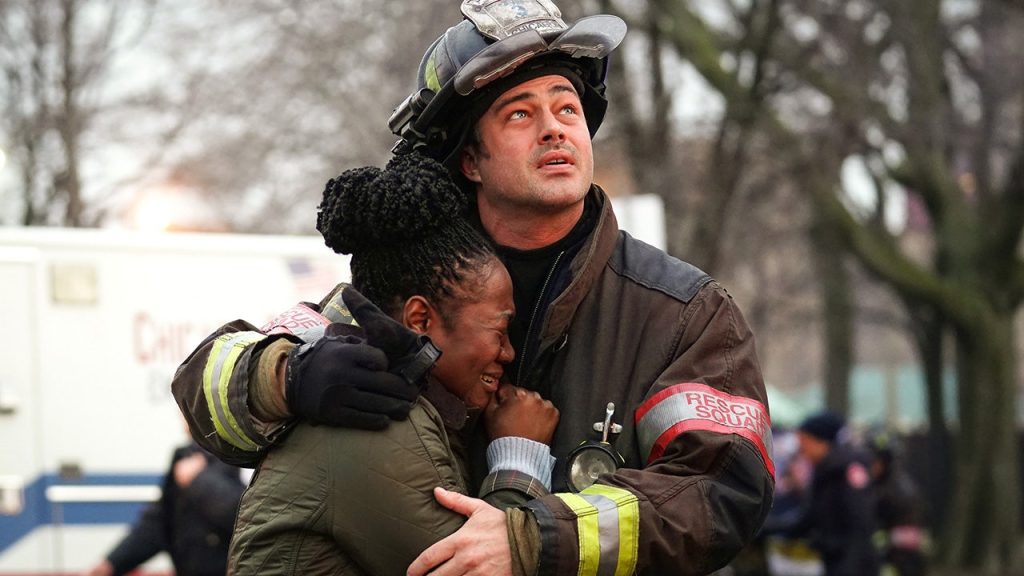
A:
{"x":585,"y":268}
{"x":451,"y":408}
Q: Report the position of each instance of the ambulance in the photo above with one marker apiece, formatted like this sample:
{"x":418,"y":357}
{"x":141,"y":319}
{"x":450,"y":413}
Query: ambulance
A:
{"x":94,"y":323}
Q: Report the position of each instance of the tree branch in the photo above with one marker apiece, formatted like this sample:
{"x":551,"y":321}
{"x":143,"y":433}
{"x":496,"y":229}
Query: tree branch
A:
{"x":694,"y":40}
{"x":878,"y":183}
{"x":882,"y":257}
{"x":918,"y":26}
{"x":763,"y":45}
{"x":972,"y":69}
{"x":1015,"y":4}
{"x":1010,"y":220}
{"x":1016,"y":284}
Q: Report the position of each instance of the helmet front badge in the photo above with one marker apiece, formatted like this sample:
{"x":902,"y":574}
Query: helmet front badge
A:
{"x":500,"y":19}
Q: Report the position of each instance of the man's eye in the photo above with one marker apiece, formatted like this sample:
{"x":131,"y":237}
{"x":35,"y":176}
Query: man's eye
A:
{"x":517,"y":115}
{"x":568,"y":109}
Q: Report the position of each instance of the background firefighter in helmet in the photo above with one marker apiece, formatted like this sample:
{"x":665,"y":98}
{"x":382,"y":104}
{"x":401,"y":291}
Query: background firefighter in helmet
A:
{"x":509,"y":99}
{"x":840,"y":517}
{"x":901,"y":509}
{"x":340,"y":501}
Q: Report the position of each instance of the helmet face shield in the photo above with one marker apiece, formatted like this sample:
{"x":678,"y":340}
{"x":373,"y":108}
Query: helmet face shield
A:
{"x":591,"y":37}
{"x":498,"y":60}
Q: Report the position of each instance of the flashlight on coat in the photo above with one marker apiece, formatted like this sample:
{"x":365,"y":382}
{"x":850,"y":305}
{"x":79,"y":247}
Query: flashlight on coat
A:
{"x":593,"y":458}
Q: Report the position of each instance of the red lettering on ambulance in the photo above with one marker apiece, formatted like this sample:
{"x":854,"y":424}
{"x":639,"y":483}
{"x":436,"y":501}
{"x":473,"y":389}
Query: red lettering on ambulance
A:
{"x":164,"y":342}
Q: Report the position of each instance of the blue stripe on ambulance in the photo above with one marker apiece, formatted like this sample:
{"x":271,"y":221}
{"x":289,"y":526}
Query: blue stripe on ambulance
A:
{"x":38,"y":512}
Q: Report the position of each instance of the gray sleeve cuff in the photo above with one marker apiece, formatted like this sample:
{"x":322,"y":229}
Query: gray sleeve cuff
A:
{"x":521,"y":455}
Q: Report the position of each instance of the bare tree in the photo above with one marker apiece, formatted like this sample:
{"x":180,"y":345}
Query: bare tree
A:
{"x":56,"y":55}
{"x":930,"y":96}
{"x":715,"y":176}
{"x":241,"y":111}
{"x":926,"y":90}
{"x":296,"y":93}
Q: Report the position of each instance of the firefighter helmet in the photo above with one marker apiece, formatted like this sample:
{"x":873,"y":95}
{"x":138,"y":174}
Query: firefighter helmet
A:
{"x":501,"y":43}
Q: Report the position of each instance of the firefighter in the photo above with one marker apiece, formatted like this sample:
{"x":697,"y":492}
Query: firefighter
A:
{"x":663,"y":445}
{"x":901,"y":508}
{"x":840,"y":518}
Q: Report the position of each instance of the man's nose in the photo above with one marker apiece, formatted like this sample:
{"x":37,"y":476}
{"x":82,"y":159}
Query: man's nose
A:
{"x":551,"y":128}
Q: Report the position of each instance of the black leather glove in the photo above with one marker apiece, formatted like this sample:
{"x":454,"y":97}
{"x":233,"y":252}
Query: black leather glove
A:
{"x":409,"y":354}
{"x":340,"y":380}
{"x":343,"y":379}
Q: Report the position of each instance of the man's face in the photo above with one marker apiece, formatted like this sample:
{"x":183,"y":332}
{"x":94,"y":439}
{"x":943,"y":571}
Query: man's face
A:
{"x":534,"y":156}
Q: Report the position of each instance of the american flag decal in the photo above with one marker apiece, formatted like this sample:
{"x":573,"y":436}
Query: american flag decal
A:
{"x":312,"y":278}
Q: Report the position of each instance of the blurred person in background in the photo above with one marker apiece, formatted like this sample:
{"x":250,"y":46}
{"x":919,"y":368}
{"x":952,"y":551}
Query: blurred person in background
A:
{"x":191,"y":521}
{"x":788,"y":556}
{"x":901,"y":509}
{"x":840,"y":517}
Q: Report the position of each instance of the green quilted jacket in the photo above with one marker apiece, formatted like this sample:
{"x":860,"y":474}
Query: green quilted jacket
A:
{"x":343,"y":501}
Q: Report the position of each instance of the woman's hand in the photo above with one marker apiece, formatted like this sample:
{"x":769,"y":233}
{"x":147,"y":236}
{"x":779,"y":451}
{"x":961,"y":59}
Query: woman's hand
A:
{"x":516,"y":411}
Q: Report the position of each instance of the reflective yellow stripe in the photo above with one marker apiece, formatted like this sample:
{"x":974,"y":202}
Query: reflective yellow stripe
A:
{"x":589,"y":533}
{"x":220,"y":364}
{"x":430,"y":72}
{"x":629,"y":525}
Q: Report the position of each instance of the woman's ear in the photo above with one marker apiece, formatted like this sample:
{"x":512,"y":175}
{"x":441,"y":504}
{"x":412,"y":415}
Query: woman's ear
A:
{"x":417,"y":314}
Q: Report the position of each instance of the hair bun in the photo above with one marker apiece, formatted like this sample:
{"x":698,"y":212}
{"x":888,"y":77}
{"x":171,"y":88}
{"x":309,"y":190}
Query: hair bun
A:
{"x":367,"y":208}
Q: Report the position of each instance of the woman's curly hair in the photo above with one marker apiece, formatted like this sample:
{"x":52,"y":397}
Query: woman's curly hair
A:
{"x":405,"y":227}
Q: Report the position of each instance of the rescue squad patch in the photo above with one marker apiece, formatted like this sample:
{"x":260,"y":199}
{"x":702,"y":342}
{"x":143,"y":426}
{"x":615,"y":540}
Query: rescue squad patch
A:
{"x":691,"y":406}
{"x":299,"y":320}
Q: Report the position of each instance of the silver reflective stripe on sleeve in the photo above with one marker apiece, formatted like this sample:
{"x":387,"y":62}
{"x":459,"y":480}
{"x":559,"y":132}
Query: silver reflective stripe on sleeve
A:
{"x":691,"y":406}
{"x":608,"y":524}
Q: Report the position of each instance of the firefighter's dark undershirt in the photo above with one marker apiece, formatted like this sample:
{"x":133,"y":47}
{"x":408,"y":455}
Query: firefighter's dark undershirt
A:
{"x":529,"y":269}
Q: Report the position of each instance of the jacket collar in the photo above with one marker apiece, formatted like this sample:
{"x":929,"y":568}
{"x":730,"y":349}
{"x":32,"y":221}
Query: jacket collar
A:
{"x":585,"y":268}
{"x":451,"y":408}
